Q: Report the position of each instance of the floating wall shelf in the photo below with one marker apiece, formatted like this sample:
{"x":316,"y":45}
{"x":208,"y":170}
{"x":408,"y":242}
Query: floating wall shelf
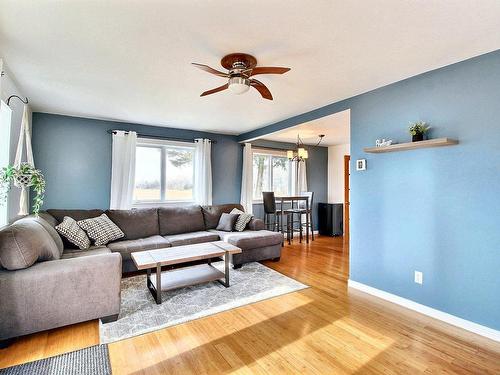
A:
{"x":438,"y":142}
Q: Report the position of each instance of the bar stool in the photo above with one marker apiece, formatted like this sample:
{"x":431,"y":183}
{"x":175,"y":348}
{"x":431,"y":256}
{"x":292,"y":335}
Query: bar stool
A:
{"x":270,"y":210}
{"x":302,"y":210}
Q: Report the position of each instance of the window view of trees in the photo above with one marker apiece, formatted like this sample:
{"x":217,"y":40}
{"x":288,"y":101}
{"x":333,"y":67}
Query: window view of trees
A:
{"x":260,"y":175}
{"x":270,"y":173}
{"x":147,"y":174}
{"x":172,"y":183}
{"x":179,"y":174}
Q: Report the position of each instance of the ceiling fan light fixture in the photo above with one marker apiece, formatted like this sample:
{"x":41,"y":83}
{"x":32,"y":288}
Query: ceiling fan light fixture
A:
{"x":239,"y":85}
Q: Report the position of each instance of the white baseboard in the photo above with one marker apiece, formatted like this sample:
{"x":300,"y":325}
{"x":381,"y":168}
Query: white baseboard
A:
{"x":429,"y":311}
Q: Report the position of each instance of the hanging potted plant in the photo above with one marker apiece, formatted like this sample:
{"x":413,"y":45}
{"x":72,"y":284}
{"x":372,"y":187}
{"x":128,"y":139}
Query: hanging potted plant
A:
{"x":24,"y":177}
{"x":418,"y":130}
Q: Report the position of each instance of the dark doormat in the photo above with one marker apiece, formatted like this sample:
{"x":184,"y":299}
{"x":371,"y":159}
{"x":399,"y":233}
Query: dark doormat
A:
{"x":91,"y":361}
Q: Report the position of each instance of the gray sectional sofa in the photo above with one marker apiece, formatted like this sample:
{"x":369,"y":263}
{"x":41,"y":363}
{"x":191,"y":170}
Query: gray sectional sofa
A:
{"x":45,"y":282}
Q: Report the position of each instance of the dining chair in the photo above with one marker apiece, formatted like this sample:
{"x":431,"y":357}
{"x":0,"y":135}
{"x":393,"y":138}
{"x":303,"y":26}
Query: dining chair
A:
{"x":302,"y":209}
{"x":270,"y":210}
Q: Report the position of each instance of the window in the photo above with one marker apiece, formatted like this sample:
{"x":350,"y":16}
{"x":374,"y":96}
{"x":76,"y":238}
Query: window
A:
{"x":271,"y":172}
{"x":164,"y":172}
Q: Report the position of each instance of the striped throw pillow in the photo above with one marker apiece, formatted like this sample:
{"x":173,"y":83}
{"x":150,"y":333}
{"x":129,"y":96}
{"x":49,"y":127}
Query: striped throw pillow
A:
{"x":242,"y":220}
{"x":101,"y":229}
{"x":70,"y":230}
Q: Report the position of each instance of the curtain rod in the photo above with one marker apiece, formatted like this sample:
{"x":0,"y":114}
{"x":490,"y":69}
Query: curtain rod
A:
{"x":141,"y":135}
{"x":25,"y":101}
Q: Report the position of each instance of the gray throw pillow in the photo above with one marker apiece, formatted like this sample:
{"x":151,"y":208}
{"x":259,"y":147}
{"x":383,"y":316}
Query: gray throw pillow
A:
{"x":227,"y":222}
{"x":70,"y":230}
{"x":243,"y":219}
{"x":101,"y":229}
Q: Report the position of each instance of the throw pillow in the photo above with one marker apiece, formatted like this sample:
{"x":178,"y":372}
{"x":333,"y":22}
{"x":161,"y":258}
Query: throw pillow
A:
{"x":101,"y":229}
{"x":226,"y":222}
{"x":243,"y":219}
{"x":70,"y":230}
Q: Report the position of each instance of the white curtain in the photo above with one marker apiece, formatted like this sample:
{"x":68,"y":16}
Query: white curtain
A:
{"x":203,"y":172}
{"x":299,"y":177}
{"x":123,"y":170}
{"x":247,"y":179}
{"x":302,"y":178}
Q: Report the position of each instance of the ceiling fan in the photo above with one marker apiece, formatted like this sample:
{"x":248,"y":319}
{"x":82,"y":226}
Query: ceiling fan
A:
{"x":241,"y":67}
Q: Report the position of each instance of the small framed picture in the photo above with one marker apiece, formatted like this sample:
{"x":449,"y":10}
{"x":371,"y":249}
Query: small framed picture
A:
{"x":361,"y":165}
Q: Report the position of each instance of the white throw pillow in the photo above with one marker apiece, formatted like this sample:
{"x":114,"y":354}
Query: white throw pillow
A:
{"x":70,"y":230}
{"x":242,"y":221}
{"x":101,"y":229}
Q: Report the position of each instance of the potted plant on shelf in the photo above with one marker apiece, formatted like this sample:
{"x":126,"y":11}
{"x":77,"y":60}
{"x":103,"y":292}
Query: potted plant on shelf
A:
{"x":418,"y":130}
{"x":24,"y":177}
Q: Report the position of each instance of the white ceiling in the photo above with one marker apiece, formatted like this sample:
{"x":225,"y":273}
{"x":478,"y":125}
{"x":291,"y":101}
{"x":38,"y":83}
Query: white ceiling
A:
{"x":130,"y":60}
{"x":335,"y":128}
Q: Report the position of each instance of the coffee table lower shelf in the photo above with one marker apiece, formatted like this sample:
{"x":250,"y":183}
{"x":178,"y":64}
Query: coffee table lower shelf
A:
{"x":180,"y":278}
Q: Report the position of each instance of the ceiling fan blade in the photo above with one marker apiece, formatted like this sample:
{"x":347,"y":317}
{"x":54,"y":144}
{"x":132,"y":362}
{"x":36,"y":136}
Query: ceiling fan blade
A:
{"x":261,"y":88}
{"x":217,"y":89}
{"x":268,"y":70}
{"x":208,"y":69}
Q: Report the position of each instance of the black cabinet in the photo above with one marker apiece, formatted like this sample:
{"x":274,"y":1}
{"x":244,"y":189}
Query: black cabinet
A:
{"x":331,"y":219}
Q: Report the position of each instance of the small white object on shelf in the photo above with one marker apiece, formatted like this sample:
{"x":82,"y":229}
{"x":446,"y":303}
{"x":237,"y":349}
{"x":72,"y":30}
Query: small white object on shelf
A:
{"x":383,"y":142}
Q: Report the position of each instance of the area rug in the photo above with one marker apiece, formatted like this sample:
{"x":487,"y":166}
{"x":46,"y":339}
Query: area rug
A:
{"x":140,"y":314}
{"x":88,"y":361}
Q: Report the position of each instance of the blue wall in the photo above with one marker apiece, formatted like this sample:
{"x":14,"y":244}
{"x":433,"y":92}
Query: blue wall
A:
{"x":75,"y":157}
{"x":432,"y":210}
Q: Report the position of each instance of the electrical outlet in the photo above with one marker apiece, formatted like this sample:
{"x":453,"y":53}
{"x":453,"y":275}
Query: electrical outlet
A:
{"x":419,"y":277}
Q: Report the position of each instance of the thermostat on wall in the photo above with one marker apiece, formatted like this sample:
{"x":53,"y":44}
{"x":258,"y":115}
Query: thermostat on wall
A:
{"x":361,"y":165}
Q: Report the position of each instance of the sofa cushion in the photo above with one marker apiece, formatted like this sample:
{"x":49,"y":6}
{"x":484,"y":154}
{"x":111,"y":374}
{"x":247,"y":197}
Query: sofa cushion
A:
{"x":101,"y":229}
{"x":25,"y":242}
{"x":75,"y":214}
{"x":227,"y":222}
{"x":137,"y":223}
{"x":211,"y":214}
{"x":95,"y":250}
{"x":174,"y":220}
{"x":250,"y":239}
{"x":71,"y":231}
{"x":129,"y":246}
{"x":191,"y":238}
{"x":48,"y":218}
{"x":49,"y":223}
{"x":256,"y":224}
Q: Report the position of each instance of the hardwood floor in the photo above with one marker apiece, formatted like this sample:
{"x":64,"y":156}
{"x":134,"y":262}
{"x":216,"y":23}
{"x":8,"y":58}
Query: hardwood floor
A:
{"x":325,"y":329}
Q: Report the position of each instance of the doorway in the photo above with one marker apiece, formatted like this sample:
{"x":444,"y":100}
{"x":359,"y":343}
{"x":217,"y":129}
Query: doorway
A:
{"x":347,"y":173}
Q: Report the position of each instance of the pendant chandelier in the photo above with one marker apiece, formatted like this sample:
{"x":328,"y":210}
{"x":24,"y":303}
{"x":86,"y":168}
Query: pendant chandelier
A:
{"x":300,"y":153}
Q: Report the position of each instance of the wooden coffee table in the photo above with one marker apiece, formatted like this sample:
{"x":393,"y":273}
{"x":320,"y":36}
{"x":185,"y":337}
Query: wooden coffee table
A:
{"x":192,"y":275}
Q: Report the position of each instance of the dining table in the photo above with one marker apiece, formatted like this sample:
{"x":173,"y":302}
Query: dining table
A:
{"x":291,"y":199}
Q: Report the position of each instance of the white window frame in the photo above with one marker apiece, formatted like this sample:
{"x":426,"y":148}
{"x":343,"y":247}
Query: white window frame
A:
{"x":271,"y":153}
{"x":163,"y":144}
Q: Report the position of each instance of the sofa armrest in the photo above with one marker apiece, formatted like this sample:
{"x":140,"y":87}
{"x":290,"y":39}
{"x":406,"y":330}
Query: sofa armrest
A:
{"x":60,"y":292}
{"x":256,"y":224}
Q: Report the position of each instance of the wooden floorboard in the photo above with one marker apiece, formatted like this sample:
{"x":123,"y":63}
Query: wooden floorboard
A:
{"x":325,"y":329}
